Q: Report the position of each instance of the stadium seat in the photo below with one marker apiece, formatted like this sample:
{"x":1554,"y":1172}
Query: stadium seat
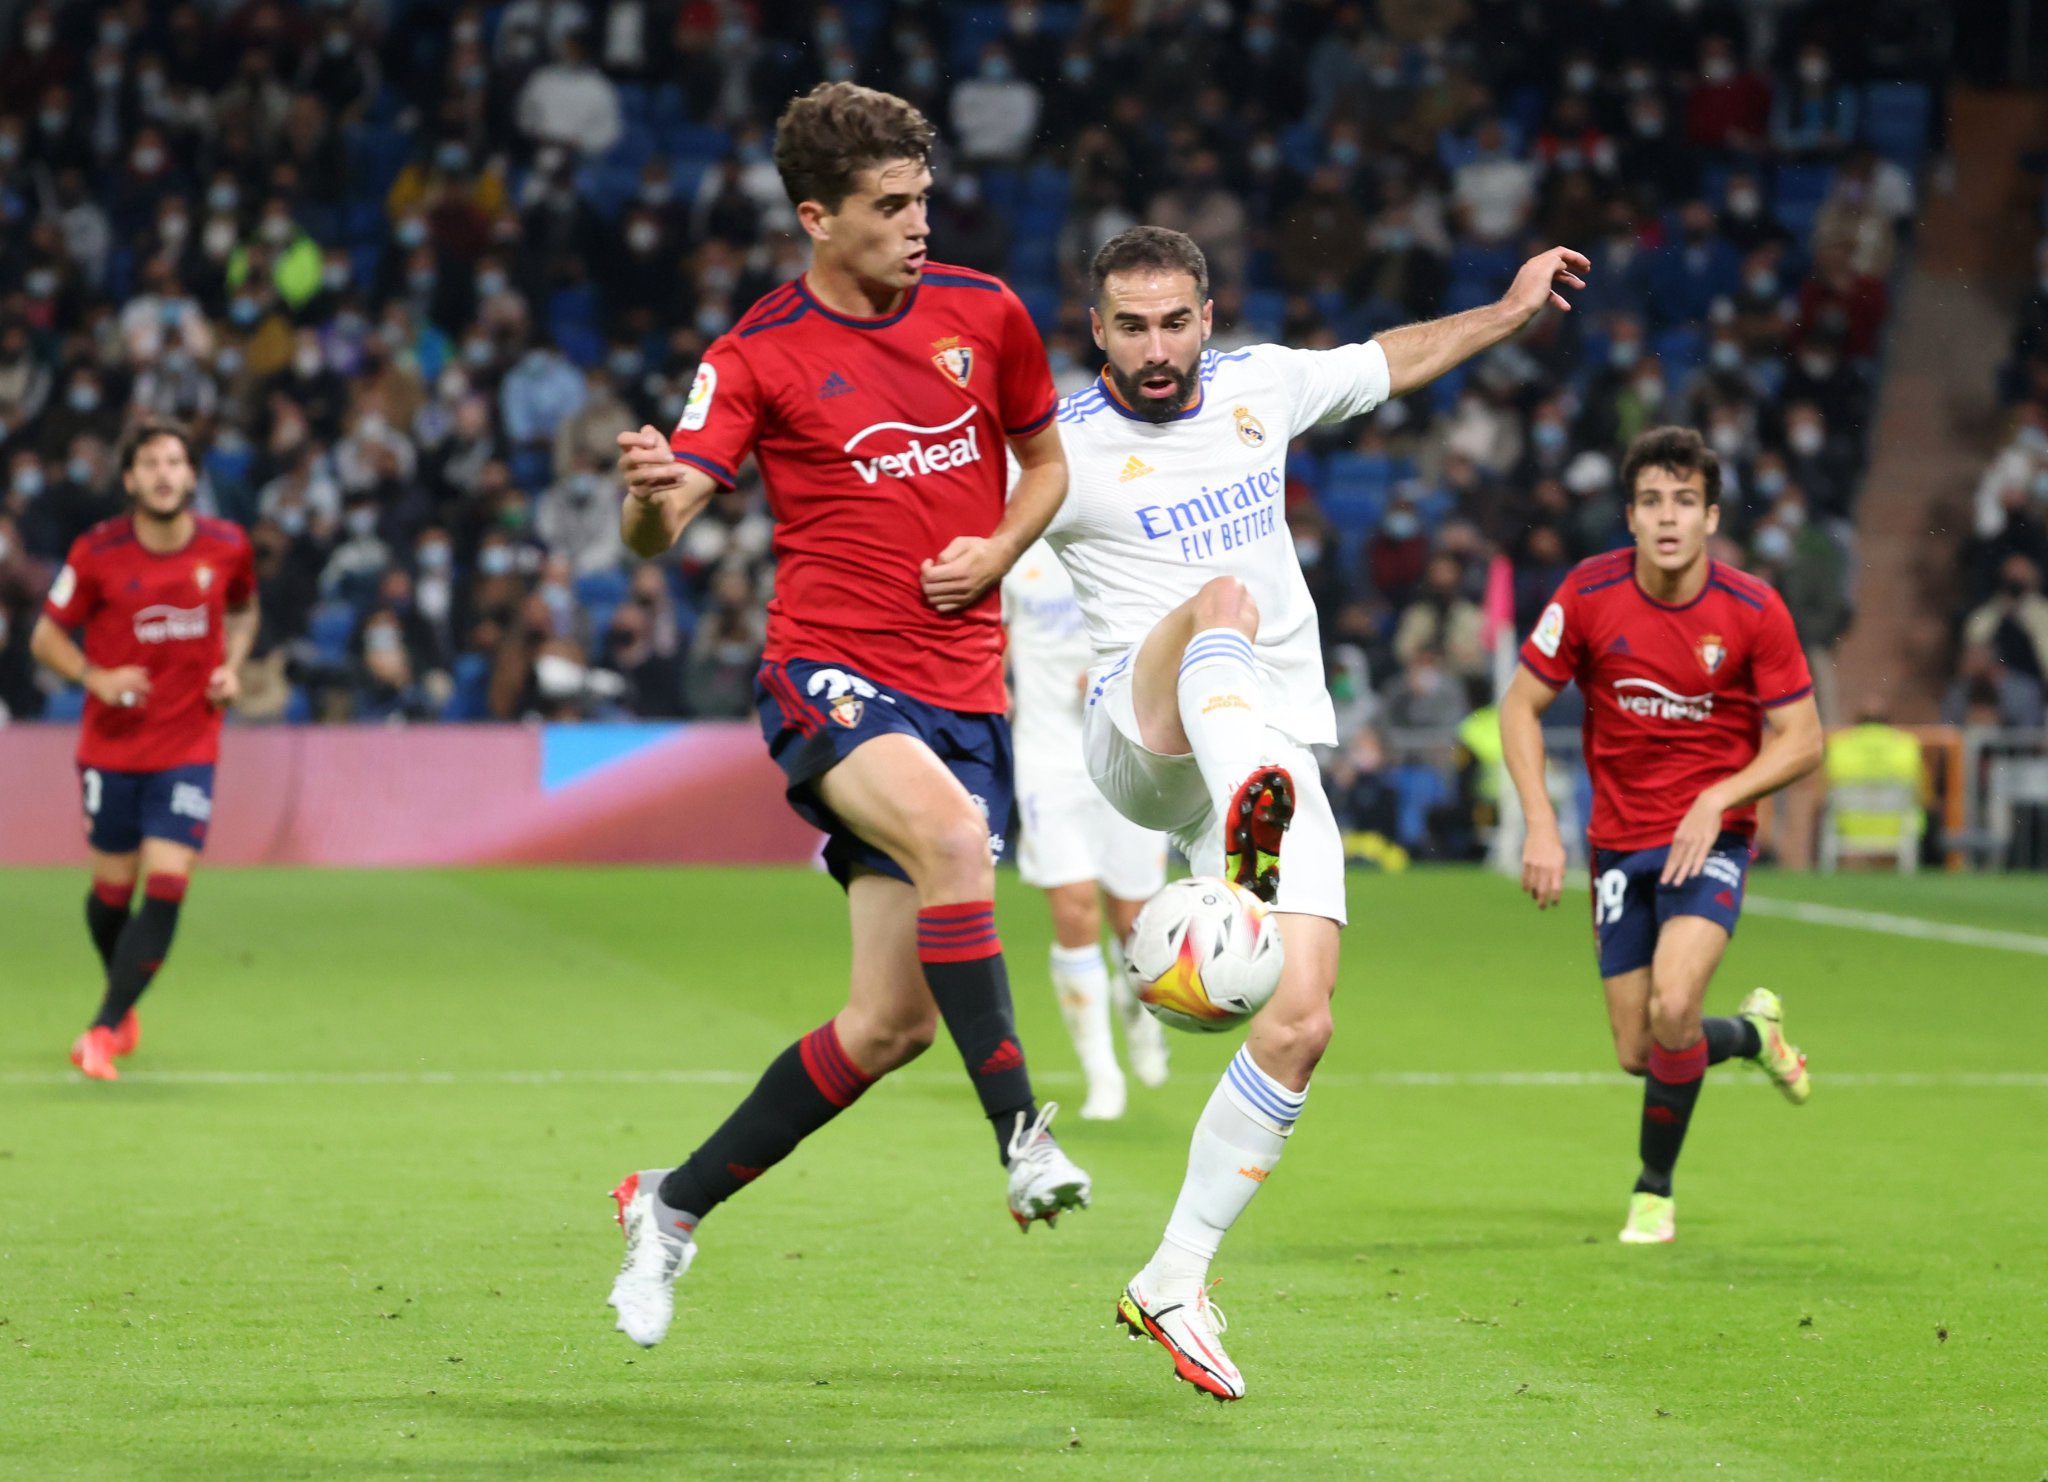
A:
{"x":298,"y":707}
{"x":1896,"y":119}
{"x":973,"y":27}
{"x":1417,"y":789}
{"x":1265,"y":311}
{"x":470,"y":698}
{"x":68,"y":704}
{"x":532,"y":468}
{"x":1045,"y":187}
{"x":1003,"y":189}
{"x":602,"y":588}
{"x":1797,"y":200}
{"x":1682,"y":348}
{"x":331,"y":627}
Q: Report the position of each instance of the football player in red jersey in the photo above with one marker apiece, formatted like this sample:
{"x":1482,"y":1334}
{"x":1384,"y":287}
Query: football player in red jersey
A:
{"x":880,"y":393}
{"x":168,"y":604}
{"x":1698,"y":703}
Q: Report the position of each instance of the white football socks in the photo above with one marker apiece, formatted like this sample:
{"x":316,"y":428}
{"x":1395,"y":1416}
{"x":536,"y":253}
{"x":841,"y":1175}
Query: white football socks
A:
{"x":1144,"y":1036}
{"x":1082,"y":984}
{"x":1221,"y":710}
{"x":1237,"y":1142}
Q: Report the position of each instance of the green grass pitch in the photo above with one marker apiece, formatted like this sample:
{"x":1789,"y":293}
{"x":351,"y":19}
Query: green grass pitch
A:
{"x":346,"y":1216}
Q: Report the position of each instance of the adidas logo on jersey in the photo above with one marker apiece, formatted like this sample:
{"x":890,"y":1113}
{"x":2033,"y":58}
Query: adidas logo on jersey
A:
{"x":1134,"y":468}
{"x":835,"y":385}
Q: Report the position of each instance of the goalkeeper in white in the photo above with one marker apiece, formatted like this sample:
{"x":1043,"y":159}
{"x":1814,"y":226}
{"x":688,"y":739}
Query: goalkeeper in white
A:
{"x":1207,"y":689}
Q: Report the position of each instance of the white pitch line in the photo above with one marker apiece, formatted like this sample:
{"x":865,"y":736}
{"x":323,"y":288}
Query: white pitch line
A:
{"x":1379,"y":1079}
{"x":1896,"y":926}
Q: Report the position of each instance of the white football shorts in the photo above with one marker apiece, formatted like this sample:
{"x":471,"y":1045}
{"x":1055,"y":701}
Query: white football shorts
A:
{"x":1167,"y":793}
{"x":1072,"y":834}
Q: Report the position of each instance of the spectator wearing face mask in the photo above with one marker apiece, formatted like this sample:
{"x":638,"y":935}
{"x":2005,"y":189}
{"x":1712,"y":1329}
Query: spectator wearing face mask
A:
{"x":1688,"y":275}
{"x":1986,"y":692}
{"x":1746,"y":222}
{"x":1821,"y":373}
{"x":1839,"y":299}
{"x":1397,"y":551}
{"x":538,"y":394}
{"x":25,"y":383}
{"x":1652,"y":152}
{"x":577,"y":518}
{"x":995,"y":113}
{"x":1729,"y":107}
{"x":1199,"y":204}
{"x":2013,"y":623}
{"x":1443,"y":621}
{"x":85,"y":409}
{"x":1810,"y":571}
{"x":570,"y":103}
{"x":1816,"y":463}
{"x":1814,"y":115}
{"x":359,"y":559}
{"x":1424,"y":696}
{"x":726,"y":648}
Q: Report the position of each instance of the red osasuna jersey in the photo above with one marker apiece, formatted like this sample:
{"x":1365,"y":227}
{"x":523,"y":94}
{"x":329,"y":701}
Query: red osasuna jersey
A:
{"x":1674,"y":695}
{"x":166,"y":613}
{"x":880,"y":440}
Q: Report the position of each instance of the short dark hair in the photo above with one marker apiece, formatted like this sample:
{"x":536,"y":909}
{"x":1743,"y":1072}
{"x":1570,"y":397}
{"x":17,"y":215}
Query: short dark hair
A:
{"x":1149,"y":247}
{"x":1680,"y":449}
{"x":148,"y":432}
{"x":825,"y":138}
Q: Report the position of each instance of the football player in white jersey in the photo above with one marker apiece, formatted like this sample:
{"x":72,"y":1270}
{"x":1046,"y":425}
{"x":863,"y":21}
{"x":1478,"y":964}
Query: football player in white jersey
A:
{"x":1207,"y":688}
{"x":1074,"y":841}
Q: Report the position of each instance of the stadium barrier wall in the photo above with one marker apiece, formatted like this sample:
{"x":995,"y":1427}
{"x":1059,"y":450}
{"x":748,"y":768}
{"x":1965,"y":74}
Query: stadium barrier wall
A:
{"x":370,"y":796}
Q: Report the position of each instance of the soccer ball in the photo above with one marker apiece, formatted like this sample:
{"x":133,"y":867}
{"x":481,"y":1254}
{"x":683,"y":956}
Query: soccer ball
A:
{"x":1204,"y":955}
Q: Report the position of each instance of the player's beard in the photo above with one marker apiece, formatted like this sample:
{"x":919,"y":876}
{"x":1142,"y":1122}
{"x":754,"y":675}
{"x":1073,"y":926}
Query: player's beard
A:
{"x":1160,"y":408}
{"x":145,"y":511}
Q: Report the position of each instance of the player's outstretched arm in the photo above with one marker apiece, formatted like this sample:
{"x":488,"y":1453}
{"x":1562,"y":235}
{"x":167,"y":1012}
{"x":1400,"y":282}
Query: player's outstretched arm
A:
{"x":1794,"y":743}
{"x":1418,"y":353}
{"x":663,"y":494}
{"x":54,"y":650}
{"x":1521,"y":740}
{"x":971,"y":564}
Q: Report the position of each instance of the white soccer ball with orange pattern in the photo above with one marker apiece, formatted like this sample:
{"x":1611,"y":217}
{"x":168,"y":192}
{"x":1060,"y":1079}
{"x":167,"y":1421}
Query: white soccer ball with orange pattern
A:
{"x":1204,"y":955}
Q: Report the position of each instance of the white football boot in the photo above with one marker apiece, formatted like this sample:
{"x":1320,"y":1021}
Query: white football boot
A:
{"x":1044,"y":1181}
{"x":1190,"y":1327}
{"x":658,"y":1251}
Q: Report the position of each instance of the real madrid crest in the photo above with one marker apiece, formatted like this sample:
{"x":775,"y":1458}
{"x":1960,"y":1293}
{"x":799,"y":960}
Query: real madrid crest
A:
{"x":1711,"y":651}
{"x":954,"y":360}
{"x":1250,"y":430}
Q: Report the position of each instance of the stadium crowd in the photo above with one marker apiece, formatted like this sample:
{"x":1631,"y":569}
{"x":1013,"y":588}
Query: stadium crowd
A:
{"x":408,"y":268}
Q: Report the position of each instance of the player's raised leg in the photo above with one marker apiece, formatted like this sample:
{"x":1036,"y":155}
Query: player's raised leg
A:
{"x":1144,"y":1036}
{"x":1195,"y":690}
{"x":1080,"y":982}
{"x":1237,"y":1143}
{"x":897,"y":795}
{"x":888,"y":1021}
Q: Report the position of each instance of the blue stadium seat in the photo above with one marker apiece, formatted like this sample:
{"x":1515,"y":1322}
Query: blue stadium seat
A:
{"x":1682,"y":349}
{"x":602,"y":588}
{"x":1003,"y":189}
{"x":471,"y":697}
{"x":1417,"y":789}
{"x":1060,"y":20}
{"x":1896,"y":121}
{"x":1046,"y":187}
{"x":1034,"y":254}
{"x":1265,"y":309}
{"x":298,"y":707}
{"x":665,"y":104}
{"x":1301,"y":147}
{"x":66,"y":705}
{"x":1042,"y":300}
{"x":1800,"y":191}
{"x":331,"y":627}
{"x":973,"y":27}
{"x":531,"y":468}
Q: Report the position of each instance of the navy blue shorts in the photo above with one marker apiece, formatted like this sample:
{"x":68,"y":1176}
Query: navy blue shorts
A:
{"x":814,"y":714}
{"x":124,"y":808}
{"x":1630,"y":907}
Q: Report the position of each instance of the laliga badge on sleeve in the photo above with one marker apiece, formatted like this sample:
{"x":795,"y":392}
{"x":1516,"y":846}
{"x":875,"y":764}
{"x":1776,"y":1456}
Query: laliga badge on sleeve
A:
{"x":698,"y":407}
{"x":1549,"y":631}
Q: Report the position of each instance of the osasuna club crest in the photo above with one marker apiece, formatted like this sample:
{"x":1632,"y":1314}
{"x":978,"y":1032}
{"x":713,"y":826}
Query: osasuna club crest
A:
{"x":1711,"y":651}
{"x":954,"y":360}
